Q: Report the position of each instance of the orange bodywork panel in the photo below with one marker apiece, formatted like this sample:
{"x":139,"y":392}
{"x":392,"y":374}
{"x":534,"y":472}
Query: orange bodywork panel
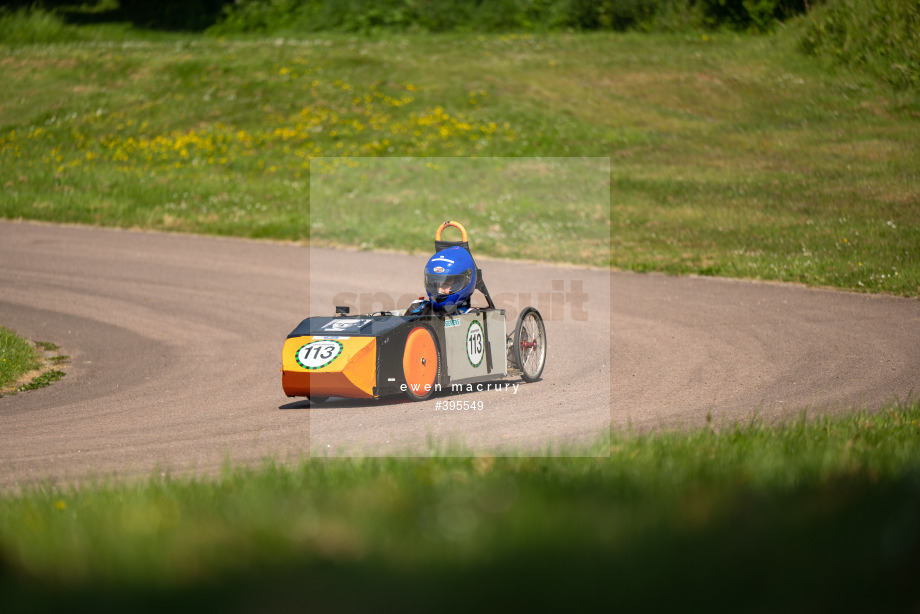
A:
{"x":329,"y":367}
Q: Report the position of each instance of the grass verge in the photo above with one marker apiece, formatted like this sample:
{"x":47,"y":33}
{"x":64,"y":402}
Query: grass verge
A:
{"x":817,"y":511}
{"x":730,"y":155}
{"x":26,"y":366}
{"x":17,"y":357}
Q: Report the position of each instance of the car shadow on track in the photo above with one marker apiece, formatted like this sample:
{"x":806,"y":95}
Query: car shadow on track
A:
{"x":342,"y":403}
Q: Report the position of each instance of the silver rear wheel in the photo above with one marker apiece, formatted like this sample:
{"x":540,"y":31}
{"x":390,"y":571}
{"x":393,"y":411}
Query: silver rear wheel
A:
{"x":529,"y":344}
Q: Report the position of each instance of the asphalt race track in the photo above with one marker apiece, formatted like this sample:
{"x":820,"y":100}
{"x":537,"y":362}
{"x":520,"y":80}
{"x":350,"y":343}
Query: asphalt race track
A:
{"x":175,"y":345}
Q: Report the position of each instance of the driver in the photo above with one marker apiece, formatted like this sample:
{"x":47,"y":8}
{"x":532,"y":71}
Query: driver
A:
{"x":450,"y":278}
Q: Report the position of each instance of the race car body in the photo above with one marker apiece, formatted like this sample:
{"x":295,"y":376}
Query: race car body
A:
{"x":375,"y":355}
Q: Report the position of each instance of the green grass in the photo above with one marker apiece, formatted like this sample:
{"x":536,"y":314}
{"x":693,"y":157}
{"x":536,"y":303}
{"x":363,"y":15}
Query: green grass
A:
{"x":553,"y":209}
{"x":730,"y":155}
{"x":17,"y":357}
{"x":823,"y":510}
{"x":45,"y":379}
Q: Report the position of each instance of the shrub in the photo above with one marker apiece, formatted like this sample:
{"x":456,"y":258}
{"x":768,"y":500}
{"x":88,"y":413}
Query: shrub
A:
{"x":492,"y":15}
{"x":30,"y":25}
{"x":879,"y":36}
{"x":752,"y":15}
{"x":173,"y":14}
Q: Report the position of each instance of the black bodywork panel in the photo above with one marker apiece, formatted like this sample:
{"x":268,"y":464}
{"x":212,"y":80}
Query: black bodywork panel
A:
{"x":391,"y":333}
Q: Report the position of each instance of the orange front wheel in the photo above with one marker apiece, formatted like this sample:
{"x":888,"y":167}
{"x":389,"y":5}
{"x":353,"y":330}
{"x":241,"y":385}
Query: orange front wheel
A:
{"x":421,"y":363}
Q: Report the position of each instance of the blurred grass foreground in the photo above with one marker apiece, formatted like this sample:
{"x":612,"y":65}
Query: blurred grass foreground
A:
{"x":813,"y":512}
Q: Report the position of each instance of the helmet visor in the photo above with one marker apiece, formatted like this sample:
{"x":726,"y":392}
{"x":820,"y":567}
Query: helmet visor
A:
{"x":441,"y":286}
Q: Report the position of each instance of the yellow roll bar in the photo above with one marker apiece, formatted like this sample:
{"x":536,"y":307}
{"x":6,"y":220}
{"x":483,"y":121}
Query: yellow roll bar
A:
{"x":457,"y":225}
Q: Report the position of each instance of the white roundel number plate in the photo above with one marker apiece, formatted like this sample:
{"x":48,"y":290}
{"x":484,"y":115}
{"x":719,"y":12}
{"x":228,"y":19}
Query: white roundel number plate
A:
{"x":318,"y":354}
{"x":475,"y":344}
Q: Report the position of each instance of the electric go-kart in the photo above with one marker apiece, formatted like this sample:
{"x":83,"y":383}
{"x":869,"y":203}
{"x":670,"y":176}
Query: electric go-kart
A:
{"x":434,"y":345}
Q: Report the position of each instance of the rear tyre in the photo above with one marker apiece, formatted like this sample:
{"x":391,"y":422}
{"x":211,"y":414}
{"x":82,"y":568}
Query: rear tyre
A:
{"x":421,"y":363}
{"x":529,"y":344}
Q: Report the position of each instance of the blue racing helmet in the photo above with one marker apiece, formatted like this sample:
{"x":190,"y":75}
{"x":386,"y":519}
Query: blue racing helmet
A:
{"x":450,"y":278}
